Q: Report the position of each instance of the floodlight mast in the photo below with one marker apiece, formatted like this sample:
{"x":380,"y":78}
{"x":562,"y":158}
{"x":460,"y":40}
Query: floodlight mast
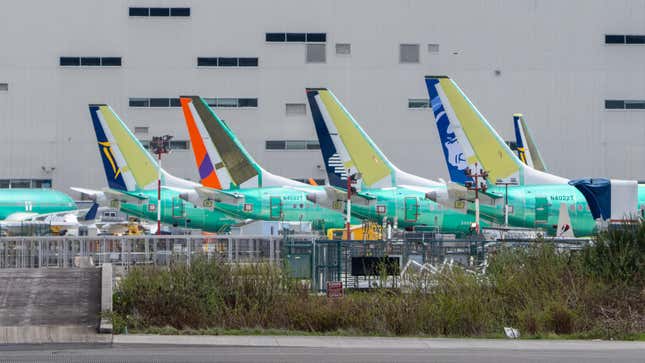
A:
{"x":159,"y":145}
{"x":476,"y":174}
{"x":506,"y":183}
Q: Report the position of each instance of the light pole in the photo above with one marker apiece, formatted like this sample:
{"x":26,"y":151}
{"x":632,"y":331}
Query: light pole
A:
{"x":159,"y":145}
{"x":351,"y":179}
{"x":506,"y":183}
{"x":476,"y":174}
{"x":348,"y":208}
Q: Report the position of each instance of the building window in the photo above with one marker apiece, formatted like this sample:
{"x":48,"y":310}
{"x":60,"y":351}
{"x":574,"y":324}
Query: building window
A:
{"x":343,"y":48}
{"x":4,"y":86}
{"x":154,"y":102}
{"x":111,"y":61}
{"x":316,"y":37}
{"x":139,"y":102}
{"x":247,"y":62}
{"x":90,"y":61}
{"x":635,"y":39}
{"x":179,"y":145}
{"x":141,"y":129}
{"x":315,"y":53}
{"x":232,"y":102}
{"x":179,"y":11}
{"x":625,"y":104}
{"x":296,"y":37}
{"x":159,"y":11}
{"x":160,"y":102}
{"x":409,"y":53}
{"x":292,"y":109}
{"x":635,"y":105}
{"x":25,"y":183}
{"x":614,"y":39}
{"x":174,"y":144}
{"x":292,"y":145}
{"x":139,"y":12}
{"x":226,"y":62}
{"x":206,"y":62}
{"x":418,"y":103}
{"x":624,"y":39}
{"x":275,"y":37}
{"x":433,"y":48}
{"x":156,"y":12}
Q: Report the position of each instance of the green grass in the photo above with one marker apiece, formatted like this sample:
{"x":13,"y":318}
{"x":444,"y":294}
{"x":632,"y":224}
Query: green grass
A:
{"x":597,"y":293}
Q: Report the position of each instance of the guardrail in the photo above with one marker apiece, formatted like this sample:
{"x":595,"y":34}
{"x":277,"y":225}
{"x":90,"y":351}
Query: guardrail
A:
{"x":36,"y":252}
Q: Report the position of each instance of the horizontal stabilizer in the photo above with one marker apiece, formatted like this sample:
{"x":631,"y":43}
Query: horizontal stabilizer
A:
{"x":458,"y":194}
{"x":333,"y":198}
{"x":218,"y":196}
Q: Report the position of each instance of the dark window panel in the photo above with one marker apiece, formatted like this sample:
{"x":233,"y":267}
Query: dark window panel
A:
{"x":635,"y":105}
{"x":247,"y":102}
{"x":418,"y":103}
{"x":275,"y":37}
{"x":614,"y":39}
{"x":227,"y":62}
{"x":90,"y":61}
{"x":139,"y":102}
{"x":159,"y":102}
{"x":174,"y":102}
{"x":179,"y":11}
{"x":111,"y":61}
{"x":635,"y":39}
{"x":206,"y":62}
{"x":296,"y":37}
{"x":614,"y":104}
{"x":70,"y":61}
{"x":139,"y":12}
{"x":212,"y":102}
{"x":159,"y":12}
{"x":296,"y":144}
{"x":316,"y":37}
{"x":248,"y":62}
{"x":275,"y":144}
{"x":226,"y":102}
{"x":313,"y":145}
{"x":179,"y":145}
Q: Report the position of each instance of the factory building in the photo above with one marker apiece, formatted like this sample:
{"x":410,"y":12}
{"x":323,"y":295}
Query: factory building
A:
{"x":575,"y":69}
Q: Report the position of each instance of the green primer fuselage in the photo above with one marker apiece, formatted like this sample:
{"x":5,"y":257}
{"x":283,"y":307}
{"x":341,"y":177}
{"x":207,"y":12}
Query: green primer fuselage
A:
{"x":411,"y":209}
{"x":285,"y":204}
{"x":538,"y":206}
{"x":176,"y":211}
{"x":38,"y":201}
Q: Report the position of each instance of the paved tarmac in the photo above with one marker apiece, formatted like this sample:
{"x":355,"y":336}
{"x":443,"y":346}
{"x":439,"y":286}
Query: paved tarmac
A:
{"x":326,"y":349}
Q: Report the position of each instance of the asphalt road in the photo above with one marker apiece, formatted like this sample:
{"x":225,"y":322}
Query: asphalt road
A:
{"x":154,"y":353}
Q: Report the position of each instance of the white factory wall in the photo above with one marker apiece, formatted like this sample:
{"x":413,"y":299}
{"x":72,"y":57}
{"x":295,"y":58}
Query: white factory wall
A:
{"x":553,"y":63}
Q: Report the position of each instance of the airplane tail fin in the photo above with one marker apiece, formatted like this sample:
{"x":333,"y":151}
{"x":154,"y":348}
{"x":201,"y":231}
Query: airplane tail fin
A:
{"x":91,"y":213}
{"x":467,"y":138}
{"x":527,"y":150}
{"x":126,"y":163}
{"x":221,"y":159}
{"x":347,"y":147}
{"x":564,"y":223}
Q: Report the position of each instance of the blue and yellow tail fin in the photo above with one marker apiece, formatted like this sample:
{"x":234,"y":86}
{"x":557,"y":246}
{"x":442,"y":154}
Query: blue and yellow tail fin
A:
{"x":527,"y":150}
{"x":459,"y":121}
{"x":347,"y":148}
{"x":126,"y":163}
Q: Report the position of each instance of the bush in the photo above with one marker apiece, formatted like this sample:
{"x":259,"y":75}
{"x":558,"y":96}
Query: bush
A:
{"x":596,"y":292}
